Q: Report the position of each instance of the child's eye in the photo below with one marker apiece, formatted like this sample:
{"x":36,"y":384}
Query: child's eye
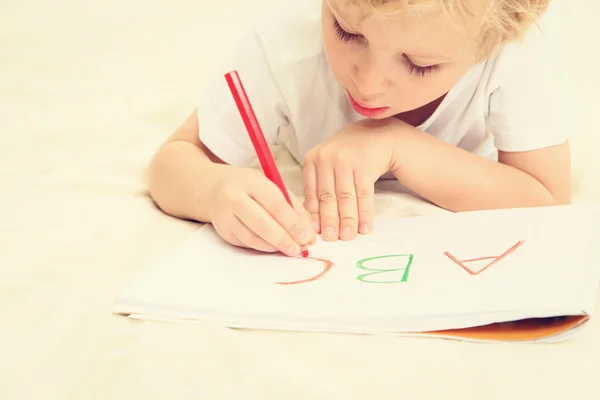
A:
{"x":413,"y":68}
{"x":342,"y":34}
{"x":418,"y":70}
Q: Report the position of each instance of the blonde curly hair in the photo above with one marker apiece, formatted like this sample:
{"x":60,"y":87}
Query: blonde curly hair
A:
{"x":497,"y":21}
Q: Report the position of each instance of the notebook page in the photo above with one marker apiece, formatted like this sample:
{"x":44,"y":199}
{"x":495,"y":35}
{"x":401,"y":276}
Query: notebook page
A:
{"x":407,"y":275}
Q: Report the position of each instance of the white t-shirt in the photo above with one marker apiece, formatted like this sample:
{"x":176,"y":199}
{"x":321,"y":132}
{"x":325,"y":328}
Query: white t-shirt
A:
{"x":297,"y":101}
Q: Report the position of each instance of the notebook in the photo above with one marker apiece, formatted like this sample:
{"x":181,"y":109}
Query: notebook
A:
{"x":527,"y":275}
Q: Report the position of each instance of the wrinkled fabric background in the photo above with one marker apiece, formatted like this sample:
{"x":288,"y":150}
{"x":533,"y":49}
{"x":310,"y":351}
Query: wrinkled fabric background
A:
{"x":88,"y":90}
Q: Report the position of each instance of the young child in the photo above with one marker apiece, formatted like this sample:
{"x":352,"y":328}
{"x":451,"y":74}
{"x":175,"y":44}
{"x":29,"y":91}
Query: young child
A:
{"x":364,"y":88}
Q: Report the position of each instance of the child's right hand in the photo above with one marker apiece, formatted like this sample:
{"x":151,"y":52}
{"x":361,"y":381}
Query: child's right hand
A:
{"x":248,"y":210}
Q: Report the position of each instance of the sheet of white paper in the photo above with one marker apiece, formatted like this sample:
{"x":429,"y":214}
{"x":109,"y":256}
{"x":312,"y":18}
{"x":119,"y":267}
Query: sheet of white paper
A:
{"x":412,"y":274}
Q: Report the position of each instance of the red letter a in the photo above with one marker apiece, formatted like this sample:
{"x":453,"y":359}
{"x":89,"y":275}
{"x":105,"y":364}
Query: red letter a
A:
{"x":495,"y":259}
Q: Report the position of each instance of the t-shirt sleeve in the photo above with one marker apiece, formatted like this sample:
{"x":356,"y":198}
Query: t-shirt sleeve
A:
{"x":221,"y":127}
{"x":531,"y":108}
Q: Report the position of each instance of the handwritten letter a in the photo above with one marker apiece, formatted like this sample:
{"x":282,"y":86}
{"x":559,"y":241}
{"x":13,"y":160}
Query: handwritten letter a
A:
{"x":494,"y":259}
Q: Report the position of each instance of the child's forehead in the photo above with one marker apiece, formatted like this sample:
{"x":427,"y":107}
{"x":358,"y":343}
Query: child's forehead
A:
{"x":429,"y":32}
{"x":416,"y":11}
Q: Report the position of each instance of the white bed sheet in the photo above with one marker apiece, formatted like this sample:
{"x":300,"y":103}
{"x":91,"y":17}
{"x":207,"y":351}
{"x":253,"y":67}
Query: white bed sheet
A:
{"x":88,"y":90}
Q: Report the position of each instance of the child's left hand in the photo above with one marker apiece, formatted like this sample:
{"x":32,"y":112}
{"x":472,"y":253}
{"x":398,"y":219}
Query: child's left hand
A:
{"x":340,"y":175}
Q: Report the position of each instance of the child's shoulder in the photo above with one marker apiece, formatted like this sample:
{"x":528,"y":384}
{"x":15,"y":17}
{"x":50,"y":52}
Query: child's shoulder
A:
{"x":290,"y":35}
{"x":527,"y":89}
{"x":538,"y":50}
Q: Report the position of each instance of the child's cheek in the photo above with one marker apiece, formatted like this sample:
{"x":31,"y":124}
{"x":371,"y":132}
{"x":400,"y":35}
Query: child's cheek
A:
{"x":339,"y":56}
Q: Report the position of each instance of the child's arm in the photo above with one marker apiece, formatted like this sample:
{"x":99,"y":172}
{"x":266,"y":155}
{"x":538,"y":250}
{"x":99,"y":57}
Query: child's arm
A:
{"x":188,"y":181}
{"x":183,"y":173}
{"x":339,"y":175}
{"x":530,"y":113}
{"x":460,"y":181}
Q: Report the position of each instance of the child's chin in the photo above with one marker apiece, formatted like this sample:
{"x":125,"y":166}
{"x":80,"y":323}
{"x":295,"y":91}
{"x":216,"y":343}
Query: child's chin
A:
{"x":385,"y":115}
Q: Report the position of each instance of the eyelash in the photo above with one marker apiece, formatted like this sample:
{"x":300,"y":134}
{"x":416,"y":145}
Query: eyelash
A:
{"x":342,"y":34}
{"x":419,"y":70}
{"x":413,"y":69}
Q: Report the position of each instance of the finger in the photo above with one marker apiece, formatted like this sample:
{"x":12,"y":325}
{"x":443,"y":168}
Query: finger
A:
{"x":227,"y":235}
{"x":232,"y":230}
{"x":269,"y":215}
{"x":273,"y":202}
{"x":311,"y":200}
{"x":246,"y":238}
{"x":328,"y":210}
{"x":345,"y":193}
{"x":365,"y":193}
{"x":306,"y":218}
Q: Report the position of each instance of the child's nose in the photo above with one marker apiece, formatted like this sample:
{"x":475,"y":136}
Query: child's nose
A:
{"x":369,"y":77}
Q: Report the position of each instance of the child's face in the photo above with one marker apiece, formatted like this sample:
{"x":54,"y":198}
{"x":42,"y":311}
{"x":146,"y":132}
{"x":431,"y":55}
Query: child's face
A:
{"x":396,"y":64}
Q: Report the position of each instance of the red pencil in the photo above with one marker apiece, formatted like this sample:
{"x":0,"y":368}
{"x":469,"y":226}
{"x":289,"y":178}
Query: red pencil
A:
{"x":256,"y":136}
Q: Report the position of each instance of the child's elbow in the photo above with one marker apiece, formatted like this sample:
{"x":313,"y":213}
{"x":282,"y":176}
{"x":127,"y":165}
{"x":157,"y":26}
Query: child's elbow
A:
{"x":155,"y":172}
{"x":557,"y":199}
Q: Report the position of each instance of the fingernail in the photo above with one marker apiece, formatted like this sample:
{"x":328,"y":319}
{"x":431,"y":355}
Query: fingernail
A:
{"x":293,"y":251}
{"x":315,"y":226}
{"x":364,"y":228}
{"x":346,"y":231}
{"x":328,"y":231}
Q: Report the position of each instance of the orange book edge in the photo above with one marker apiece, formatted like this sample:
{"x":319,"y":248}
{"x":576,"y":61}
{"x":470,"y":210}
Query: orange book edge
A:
{"x":522,"y":330}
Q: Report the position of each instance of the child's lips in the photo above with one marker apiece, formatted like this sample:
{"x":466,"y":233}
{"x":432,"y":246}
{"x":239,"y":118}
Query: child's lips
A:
{"x":367,"y":111}
{"x":360,"y":103}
